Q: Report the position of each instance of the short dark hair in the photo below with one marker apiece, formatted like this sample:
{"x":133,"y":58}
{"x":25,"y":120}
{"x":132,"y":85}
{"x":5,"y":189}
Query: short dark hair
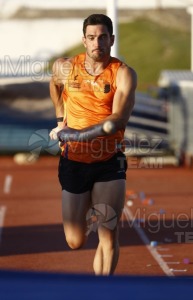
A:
{"x":96,"y":19}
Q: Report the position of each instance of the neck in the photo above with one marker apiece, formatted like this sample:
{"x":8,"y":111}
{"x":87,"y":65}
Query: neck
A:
{"x":96,"y":67}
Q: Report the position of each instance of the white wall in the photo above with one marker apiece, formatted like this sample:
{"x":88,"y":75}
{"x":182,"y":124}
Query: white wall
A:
{"x":8,"y":7}
{"x":38,"y":37}
{"x":47,"y":37}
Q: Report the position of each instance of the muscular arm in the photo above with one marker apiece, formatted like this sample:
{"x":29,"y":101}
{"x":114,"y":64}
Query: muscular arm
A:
{"x":60,"y":70}
{"x":124,"y":98}
{"x":56,"y":96}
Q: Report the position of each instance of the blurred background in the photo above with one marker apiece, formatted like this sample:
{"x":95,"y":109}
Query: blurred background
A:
{"x":153,"y":37}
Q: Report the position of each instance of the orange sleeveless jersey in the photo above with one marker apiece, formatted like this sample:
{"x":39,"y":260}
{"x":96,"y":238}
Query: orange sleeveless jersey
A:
{"x":88,"y":100}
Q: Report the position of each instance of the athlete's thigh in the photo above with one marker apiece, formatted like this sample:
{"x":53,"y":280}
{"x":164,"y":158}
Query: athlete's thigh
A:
{"x":111,"y":194}
{"x":74,"y":210}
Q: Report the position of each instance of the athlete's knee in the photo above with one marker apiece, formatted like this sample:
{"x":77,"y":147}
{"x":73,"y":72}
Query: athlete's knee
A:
{"x":75,"y":242}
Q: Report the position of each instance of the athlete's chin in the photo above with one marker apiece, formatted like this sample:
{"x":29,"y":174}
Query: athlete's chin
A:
{"x":98,"y":56}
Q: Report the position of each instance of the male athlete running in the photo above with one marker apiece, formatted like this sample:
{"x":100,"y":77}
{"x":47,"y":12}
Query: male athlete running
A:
{"x":87,"y":90}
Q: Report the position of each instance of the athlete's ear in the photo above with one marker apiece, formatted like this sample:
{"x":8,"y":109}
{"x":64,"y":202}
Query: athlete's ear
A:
{"x":112,"y":39}
{"x":84,"y":41}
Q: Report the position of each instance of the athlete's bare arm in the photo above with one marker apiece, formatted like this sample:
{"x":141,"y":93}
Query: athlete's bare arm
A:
{"x":124,"y":97}
{"x":56,"y":96}
{"x":60,"y":71}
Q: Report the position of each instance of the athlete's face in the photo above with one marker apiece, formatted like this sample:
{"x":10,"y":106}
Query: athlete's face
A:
{"x":98,"y":42}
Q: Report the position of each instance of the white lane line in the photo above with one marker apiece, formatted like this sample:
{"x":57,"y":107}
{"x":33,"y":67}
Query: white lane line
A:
{"x":166,"y":255}
{"x":162,"y":249}
{"x":177,"y":270}
{"x":163,"y":265}
{"x":7,"y":184}
{"x":2,"y":217}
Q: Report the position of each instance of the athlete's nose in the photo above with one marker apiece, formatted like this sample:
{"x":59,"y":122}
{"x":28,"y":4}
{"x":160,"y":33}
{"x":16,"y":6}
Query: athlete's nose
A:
{"x":97,"y":43}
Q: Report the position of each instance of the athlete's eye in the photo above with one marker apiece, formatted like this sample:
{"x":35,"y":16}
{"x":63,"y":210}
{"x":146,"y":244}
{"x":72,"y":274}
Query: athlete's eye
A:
{"x":91,"y":38}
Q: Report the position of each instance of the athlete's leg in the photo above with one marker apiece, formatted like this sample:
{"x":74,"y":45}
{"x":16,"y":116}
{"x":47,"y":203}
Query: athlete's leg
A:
{"x":109,"y":198}
{"x":74,"y":210}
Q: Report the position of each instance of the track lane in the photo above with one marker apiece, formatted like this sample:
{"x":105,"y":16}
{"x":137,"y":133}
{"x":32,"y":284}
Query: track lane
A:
{"x":32,"y":234}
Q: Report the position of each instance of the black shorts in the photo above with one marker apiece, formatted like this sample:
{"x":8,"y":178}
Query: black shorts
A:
{"x":77,"y":177}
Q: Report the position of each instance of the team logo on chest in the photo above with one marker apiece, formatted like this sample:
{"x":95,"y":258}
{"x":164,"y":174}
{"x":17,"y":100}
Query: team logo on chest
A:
{"x":74,"y":84}
{"x":107,"y":88}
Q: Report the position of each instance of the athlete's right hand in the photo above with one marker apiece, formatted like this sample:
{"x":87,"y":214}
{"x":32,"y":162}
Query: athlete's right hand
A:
{"x":54,"y":132}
